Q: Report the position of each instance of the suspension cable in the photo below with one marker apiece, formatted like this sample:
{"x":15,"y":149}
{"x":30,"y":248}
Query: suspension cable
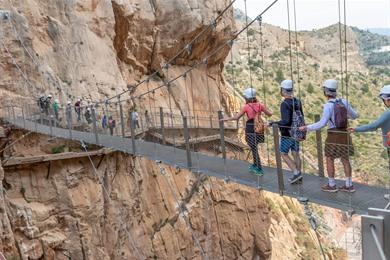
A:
{"x":248,"y":46}
{"x":130,"y":237}
{"x":181,"y":210}
{"x":260,"y":20}
{"x":289,"y":40}
{"x":341,"y":51}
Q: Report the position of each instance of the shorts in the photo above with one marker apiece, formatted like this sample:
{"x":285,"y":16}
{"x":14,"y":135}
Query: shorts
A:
{"x":338,"y":144}
{"x":287,"y":144}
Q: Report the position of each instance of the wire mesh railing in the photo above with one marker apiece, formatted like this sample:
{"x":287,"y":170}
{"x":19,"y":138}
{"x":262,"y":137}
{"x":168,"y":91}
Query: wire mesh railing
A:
{"x":205,"y":134}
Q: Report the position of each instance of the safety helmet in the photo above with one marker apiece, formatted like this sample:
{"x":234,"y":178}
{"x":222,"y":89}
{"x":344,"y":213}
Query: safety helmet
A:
{"x":49,"y":96}
{"x":287,"y":84}
{"x":385,"y":92}
{"x":56,"y":100}
{"x":69,"y":102}
{"x":330,"y":87}
{"x":250,"y":93}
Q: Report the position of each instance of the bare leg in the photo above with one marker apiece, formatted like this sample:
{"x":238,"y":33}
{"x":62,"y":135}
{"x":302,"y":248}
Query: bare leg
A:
{"x":290,"y":162}
{"x":347,"y":167}
{"x":297,"y":159}
{"x":330,"y":167}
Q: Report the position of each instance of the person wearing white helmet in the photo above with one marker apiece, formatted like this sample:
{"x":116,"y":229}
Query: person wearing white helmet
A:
{"x":288,"y":143}
{"x":338,"y":144}
{"x":253,"y":110}
{"x":383,"y":121}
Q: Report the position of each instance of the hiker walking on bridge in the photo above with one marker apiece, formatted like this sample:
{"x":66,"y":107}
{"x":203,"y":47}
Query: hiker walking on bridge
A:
{"x":338,"y":143}
{"x":56,"y":108}
{"x":255,"y":126}
{"x":290,"y":110}
{"x":77,"y":108}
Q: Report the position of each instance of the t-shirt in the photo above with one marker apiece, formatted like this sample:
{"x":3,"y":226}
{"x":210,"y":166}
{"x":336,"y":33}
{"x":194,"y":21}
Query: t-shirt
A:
{"x":251,"y":109}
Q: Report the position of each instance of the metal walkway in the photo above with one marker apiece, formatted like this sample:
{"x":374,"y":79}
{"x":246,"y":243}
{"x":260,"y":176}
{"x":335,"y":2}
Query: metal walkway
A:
{"x":229,"y":170}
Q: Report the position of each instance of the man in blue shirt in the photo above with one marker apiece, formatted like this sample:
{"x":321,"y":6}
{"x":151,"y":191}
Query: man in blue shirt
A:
{"x":287,"y":143}
{"x":338,"y":143}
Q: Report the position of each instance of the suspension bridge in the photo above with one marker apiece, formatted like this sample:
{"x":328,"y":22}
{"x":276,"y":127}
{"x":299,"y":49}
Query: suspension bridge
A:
{"x":186,"y":152}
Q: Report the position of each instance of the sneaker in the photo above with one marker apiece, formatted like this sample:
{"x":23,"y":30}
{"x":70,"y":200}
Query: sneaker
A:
{"x":328,"y":188}
{"x":258,"y":171}
{"x":252,"y":168}
{"x":347,"y":189}
{"x":296,"y":178}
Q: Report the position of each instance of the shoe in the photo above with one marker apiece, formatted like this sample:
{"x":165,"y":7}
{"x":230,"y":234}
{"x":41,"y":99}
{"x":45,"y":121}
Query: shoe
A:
{"x":328,"y":188}
{"x":296,"y":178}
{"x":252,"y":168}
{"x":258,"y":171}
{"x":347,"y":189}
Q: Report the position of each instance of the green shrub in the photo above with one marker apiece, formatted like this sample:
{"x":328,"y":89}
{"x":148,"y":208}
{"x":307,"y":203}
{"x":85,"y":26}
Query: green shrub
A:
{"x":58,"y":149}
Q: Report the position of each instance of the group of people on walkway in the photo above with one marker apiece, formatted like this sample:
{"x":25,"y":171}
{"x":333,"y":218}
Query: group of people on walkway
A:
{"x":336,"y":113}
{"x":46,"y":106}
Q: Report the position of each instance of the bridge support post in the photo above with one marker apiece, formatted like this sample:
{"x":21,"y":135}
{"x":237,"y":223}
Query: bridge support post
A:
{"x":187,"y":140}
{"x":94,"y":124}
{"x":23,"y":117}
{"x":320,"y":155}
{"x":385,"y":214}
{"x":278,"y":158}
{"x":13,"y":114}
{"x":41,"y":117}
{"x":133,"y":137}
{"x":69,"y":119}
{"x":222,"y":134}
{"x":51,"y":122}
{"x":162,"y":125}
{"x":122,"y":118}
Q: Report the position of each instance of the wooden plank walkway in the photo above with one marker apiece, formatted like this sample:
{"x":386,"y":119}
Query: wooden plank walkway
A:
{"x":231,"y":170}
{"x":16,"y":161}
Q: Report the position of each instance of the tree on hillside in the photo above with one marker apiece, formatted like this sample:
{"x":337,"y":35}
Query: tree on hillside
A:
{"x":279,"y":76}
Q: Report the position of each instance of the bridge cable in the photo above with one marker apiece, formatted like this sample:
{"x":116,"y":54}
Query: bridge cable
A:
{"x":181,"y":209}
{"x":249,"y":63}
{"x":130,"y":237}
{"x":260,"y":20}
{"x":341,"y":50}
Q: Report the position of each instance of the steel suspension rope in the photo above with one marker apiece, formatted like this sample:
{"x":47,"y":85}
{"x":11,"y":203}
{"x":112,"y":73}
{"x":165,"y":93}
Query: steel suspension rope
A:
{"x":248,"y":46}
{"x":289,"y":40}
{"x":181,"y":210}
{"x":186,"y":48}
{"x":130,"y":237}
{"x":341,"y":51}
{"x":260,"y":20}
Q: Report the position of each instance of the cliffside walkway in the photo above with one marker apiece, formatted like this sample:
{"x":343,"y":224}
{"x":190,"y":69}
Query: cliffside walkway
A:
{"x":226,"y":169}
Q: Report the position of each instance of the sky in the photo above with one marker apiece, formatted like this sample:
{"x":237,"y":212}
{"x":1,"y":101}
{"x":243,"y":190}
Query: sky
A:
{"x":314,"y":14}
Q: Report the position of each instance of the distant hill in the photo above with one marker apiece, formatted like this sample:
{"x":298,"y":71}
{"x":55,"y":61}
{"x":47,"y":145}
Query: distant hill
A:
{"x":382,"y":31}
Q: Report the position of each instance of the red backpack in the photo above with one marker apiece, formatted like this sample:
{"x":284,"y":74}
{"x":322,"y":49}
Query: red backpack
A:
{"x":340,"y":114}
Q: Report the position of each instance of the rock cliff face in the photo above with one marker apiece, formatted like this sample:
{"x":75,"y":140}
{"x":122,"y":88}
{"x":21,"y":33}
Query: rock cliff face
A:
{"x":133,"y":208}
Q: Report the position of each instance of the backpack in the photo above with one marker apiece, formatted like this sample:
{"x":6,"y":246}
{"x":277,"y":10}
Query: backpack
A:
{"x":259,"y":124}
{"x":340,"y":114}
{"x":297,"y":121}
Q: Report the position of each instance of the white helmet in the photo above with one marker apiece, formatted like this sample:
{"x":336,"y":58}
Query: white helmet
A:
{"x":49,"y":96}
{"x":56,"y":100}
{"x":287,"y":84}
{"x":330,"y":84}
{"x":69,"y":102}
{"x":250,"y":93}
{"x":330,"y":87}
{"x":385,"y":92}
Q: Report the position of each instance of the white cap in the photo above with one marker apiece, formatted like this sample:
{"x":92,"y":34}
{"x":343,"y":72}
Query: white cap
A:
{"x":330,"y":84}
{"x":250,"y":93}
{"x":287,"y":84}
{"x":385,"y":92}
